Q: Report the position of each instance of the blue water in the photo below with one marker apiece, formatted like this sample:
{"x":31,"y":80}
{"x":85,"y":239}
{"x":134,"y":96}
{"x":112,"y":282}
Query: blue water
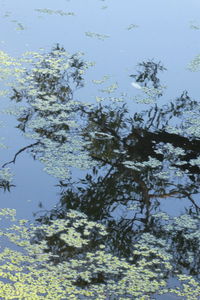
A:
{"x":163,"y":32}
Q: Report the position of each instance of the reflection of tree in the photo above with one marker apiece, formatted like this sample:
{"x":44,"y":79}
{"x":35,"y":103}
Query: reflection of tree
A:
{"x":131,"y":176}
{"x":146,"y":148}
{"x":148,"y":74}
{"x":6,"y":179}
{"x":150,"y":156}
{"x":5,"y":185}
{"x":50,"y":114}
{"x":139,"y":160}
{"x":112,"y":199}
{"x":50,"y":81}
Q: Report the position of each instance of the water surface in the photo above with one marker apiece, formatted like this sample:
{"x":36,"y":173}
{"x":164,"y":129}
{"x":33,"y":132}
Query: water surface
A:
{"x":137,"y":172}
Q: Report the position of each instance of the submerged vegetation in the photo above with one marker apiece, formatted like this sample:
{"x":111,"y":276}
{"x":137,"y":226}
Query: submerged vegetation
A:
{"x":107,"y":238}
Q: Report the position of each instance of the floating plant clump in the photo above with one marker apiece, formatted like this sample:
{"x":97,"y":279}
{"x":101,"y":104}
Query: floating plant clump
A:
{"x":56,"y":12}
{"x":49,"y":114}
{"x":99,"y":36}
{"x":32,"y":269}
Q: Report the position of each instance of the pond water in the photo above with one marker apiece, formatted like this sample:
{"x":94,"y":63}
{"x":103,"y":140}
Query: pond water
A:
{"x":100,"y":149}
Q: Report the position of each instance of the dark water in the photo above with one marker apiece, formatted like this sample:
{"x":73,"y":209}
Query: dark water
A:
{"x":139,"y":173}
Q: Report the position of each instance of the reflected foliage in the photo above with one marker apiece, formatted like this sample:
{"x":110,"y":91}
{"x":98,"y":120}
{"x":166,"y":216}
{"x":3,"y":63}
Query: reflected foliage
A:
{"x":147,"y":74}
{"x":49,"y":114}
{"x":139,"y":161}
{"x":50,"y":81}
{"x":5,"y":185}
{"x":6,"y":179}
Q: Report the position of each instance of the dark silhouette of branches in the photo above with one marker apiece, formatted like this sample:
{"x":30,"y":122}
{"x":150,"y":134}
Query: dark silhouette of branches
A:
{"x":20,"y":151}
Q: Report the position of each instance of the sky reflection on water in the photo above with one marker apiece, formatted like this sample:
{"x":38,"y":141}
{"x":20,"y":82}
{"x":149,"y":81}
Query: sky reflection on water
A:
{"x":116,"y":36}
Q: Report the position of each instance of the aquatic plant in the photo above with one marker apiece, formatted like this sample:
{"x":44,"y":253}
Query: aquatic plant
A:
{"x":26,"y":271}
{"x":97,"y":35}
{"x":132,"y":26}
{"x":47,"y":84}
{"x":140,"y":156}
{"x":56,"y":12}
